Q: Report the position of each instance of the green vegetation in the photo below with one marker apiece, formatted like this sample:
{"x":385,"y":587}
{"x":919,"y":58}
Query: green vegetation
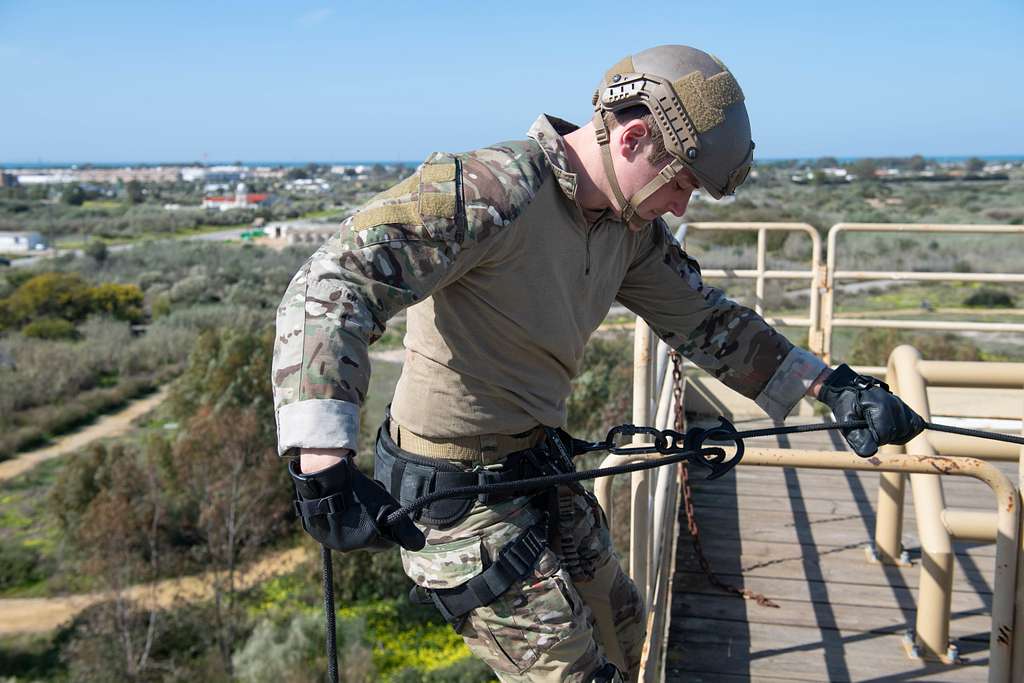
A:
{"x":78,"y":357}
{"x":67,"y":297}
{"x":988,"y":297}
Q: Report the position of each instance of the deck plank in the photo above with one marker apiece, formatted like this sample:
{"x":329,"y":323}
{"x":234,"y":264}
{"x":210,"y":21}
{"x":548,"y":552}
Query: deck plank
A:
{"x":798,"y":536}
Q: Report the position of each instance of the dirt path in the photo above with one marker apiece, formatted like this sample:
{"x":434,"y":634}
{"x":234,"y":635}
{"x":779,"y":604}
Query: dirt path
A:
{"x":114,"y":424}
{"x":39,"y":615}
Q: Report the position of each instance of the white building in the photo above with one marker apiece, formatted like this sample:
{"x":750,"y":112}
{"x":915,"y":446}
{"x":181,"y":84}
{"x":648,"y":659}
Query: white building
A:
{"x":242,"y":199}
{"x":301,"y":232}
{"x":308,"y":185}
{"x":57,"y":178}
{"x":21,"y":241}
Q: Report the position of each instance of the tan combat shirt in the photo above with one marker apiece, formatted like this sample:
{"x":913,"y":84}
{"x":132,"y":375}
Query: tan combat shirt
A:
{"x":505,"y":281}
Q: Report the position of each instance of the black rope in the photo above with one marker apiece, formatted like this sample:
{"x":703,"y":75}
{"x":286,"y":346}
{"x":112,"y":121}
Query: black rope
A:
{"x":857,"y":424}
{"x":672,"y":455}
{"x":535,"y":483}
{"x":332,"y":640}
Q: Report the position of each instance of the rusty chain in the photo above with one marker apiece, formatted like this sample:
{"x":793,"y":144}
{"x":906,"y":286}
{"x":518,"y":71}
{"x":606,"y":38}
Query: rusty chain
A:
{"x":691,"y":513}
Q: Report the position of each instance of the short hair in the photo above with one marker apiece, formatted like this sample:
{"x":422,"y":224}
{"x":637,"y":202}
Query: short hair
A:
{"x":613,"y":120}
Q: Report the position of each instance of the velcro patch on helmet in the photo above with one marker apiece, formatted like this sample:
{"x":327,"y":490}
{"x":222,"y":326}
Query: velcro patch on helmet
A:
{"x":705,"y":100}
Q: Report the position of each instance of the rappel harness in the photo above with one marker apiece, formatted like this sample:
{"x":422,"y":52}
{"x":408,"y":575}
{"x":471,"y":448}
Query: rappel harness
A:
{"x":517,"y":559}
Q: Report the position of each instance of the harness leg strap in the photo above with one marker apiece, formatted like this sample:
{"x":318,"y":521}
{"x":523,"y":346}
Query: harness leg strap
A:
{"x":515,"y":561}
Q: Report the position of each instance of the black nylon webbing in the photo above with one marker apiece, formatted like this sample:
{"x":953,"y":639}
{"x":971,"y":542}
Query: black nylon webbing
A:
{"x":514,"y":562}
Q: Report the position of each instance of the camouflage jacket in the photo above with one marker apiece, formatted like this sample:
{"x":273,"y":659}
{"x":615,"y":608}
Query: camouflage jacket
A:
{"x":504,"y":280}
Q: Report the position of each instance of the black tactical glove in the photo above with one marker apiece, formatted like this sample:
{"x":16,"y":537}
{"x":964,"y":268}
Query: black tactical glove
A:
{"x":858,"y":397}
{"x":344,"y":509}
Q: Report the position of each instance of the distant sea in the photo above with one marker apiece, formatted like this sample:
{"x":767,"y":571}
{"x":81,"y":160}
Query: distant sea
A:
{"x":412,"y":164}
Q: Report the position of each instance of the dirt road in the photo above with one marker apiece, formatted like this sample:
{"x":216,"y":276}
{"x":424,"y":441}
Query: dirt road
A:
{"x":39,"y":615}
{"x":114,"y":424}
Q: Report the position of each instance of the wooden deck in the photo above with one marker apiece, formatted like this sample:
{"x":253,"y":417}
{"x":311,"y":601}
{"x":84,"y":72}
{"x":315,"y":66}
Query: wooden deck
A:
{"x":798,"y":536}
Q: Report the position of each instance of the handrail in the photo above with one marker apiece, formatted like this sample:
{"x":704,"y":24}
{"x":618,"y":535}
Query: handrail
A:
{"x":829,"y":321}
{"x":909,"y":375}
{"x":816,"y":275}
{"x":654,"y":494}
{"x":653,"y":497}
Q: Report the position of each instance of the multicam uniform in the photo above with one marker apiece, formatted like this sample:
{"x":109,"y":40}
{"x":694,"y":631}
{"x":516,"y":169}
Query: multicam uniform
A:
{"x":506,"y":280}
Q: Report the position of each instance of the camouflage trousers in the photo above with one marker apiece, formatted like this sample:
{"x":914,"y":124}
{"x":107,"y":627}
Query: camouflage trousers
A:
{"x":553,"y":625}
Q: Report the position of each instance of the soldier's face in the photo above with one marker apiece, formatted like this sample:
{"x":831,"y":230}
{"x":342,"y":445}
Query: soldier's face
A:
{"x":671,"y":198}
{"x":635,"y":171}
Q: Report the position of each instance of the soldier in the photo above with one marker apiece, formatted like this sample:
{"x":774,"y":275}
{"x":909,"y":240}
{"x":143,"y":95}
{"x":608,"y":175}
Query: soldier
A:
{"x":508,"y":258}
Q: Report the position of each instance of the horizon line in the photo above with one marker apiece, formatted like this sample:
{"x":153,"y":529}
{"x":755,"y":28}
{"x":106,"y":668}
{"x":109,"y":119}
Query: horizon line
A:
{"x":350,"y":162}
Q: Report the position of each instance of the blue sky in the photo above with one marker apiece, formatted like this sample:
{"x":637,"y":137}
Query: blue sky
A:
{"x":148,"y":81}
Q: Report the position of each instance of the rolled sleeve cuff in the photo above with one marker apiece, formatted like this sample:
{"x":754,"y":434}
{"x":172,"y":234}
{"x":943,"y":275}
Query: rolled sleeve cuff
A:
{"x":317,"y":423}
{"x":790,"y":383}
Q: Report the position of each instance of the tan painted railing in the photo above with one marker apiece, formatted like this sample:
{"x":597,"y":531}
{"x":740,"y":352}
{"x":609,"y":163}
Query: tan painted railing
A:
{"x":654,"y":494}
{"x":760,"y":274}
{"x":829,"y":320}
{"x":653,"y":498}
{"x":654,"y":525}
{"x":938,"y":524}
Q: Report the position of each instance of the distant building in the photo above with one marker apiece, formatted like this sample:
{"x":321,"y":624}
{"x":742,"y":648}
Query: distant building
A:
{"x":8,"y":180}
{"x":302,"y":232}
{"x":21,"y":241}
{"x":308,"y":185}
{"x":55,"y":178}
{"x":241,"y":200}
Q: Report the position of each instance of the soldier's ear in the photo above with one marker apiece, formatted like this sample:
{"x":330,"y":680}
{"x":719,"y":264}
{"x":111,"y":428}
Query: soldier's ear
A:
{"x":632,"y":137}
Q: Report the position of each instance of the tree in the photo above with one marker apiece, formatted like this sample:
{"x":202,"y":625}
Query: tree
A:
{"x":97,"y":250}
{"x":56,"y":295}
{"x":917,"y":163}
{"x":134,"y":191}
{"x":230,"y":471}
{"x":113,"y":521}
{"x":864,"y":168}
{"x":73,"y":194}
{"x":974,"y":165}
{"x":226,"y":466}
{"x":123,"y":302}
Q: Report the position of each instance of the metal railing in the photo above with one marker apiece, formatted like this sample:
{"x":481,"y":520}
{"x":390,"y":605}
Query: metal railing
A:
{"x":654,"y":525}
{"x":653,"y":499}
{"x":829,"y":320}
{"x":938,"y":524}
{"x":760,"y":273}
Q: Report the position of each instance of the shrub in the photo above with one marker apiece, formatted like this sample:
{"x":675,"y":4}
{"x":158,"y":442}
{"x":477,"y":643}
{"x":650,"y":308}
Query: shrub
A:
{"x":294,"y":651}
{"x":602,"y":391}
{"x":50,"y":328}
{"x":872,"y":347}
{"x":66,"y":415}
{"x":20,"y":564}
{"x":57,"y":295}
{"x":97,"y":250}
{"x":989,"y":297}
{"x":123,"y":302}
{"x":467,"y":670}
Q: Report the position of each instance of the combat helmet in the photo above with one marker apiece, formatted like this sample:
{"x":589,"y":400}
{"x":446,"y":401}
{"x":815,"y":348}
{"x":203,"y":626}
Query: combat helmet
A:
{"x":698,"y":106}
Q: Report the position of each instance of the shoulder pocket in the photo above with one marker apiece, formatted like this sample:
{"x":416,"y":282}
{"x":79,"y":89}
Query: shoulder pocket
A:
{"x":427,"y":199}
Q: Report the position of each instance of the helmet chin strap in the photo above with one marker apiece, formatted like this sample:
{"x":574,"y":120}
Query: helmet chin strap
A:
{"x":628,"y":208}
